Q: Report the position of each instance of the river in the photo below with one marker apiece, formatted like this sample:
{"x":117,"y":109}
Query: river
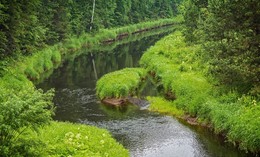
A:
{"x":144,"y":133}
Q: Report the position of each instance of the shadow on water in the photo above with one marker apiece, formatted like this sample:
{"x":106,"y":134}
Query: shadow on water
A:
{"x":144,"y":133}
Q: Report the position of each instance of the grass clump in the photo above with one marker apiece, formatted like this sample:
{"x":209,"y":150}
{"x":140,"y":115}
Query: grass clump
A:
{"x":67,"y":139}
{"x":120,"y":83}
{"x":162,"y":105}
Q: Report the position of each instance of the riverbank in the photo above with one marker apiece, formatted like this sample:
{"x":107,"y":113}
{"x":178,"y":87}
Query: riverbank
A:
{"x":23,"y":107}
{"x":177,"y":69}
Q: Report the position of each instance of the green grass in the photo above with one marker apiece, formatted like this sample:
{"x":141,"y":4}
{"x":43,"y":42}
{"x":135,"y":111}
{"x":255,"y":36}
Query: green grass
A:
{"x":164,"y":106}
{"x":120,"y":83}
{"x":178,"y":68}
{"x":67,"y":139}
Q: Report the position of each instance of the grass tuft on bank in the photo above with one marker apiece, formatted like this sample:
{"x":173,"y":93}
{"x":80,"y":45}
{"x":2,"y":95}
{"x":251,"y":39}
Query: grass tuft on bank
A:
{"x":161,"y":105}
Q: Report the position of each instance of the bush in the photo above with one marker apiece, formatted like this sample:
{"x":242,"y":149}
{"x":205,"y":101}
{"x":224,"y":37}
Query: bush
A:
{"x":21,"y":110}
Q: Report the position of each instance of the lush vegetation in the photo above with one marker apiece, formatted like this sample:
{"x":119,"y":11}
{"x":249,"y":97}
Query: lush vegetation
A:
{"x":49,"y":58}
{"x":66,"y":139}
{"x":121,"y":83}
{"x":229,"y":33}
{"x":22,"y":106}
{"x":209,"y":71}
{"x":179,"y":70}
{"x":27,"y":26}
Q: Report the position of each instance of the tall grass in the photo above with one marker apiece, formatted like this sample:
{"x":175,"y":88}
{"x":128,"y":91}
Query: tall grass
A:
{"x":180,"y":71}
{"x":120,"y":84}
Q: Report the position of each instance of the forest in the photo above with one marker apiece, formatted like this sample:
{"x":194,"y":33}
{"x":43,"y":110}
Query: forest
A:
{"x":207,"y":69}
{"x":229,"y":32}
{"x":29,"y":25}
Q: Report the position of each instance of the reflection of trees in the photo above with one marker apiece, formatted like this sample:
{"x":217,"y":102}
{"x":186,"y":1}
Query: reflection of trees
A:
{"x":126,"y":55}
{"x":78,"y":70}
{"x":118,"y":112}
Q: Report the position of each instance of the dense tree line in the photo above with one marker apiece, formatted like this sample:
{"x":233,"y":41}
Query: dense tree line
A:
{"x":27,"y":25}
{"x":230,"y":34}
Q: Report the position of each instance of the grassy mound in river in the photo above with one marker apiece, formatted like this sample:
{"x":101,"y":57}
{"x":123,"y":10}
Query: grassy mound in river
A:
{"x":121,"y":83}
{"x":178,"y":68}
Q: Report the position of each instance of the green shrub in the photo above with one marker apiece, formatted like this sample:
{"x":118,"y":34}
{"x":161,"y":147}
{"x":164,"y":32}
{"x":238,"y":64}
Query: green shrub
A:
{"x":21,"y":110}
{"x":191,"y":91}
{"x":38,"y":63}
{"x":245,"y":123}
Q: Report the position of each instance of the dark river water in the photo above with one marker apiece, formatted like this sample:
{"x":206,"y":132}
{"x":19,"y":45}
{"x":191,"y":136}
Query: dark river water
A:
{"x":144,"y":133}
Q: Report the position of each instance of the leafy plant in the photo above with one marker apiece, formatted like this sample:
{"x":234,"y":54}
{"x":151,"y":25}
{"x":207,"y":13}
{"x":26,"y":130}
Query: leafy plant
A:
{"x":21,"y":110}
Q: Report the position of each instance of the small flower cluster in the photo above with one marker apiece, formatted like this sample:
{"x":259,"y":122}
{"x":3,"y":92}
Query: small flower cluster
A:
{"x":75,"y":140}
